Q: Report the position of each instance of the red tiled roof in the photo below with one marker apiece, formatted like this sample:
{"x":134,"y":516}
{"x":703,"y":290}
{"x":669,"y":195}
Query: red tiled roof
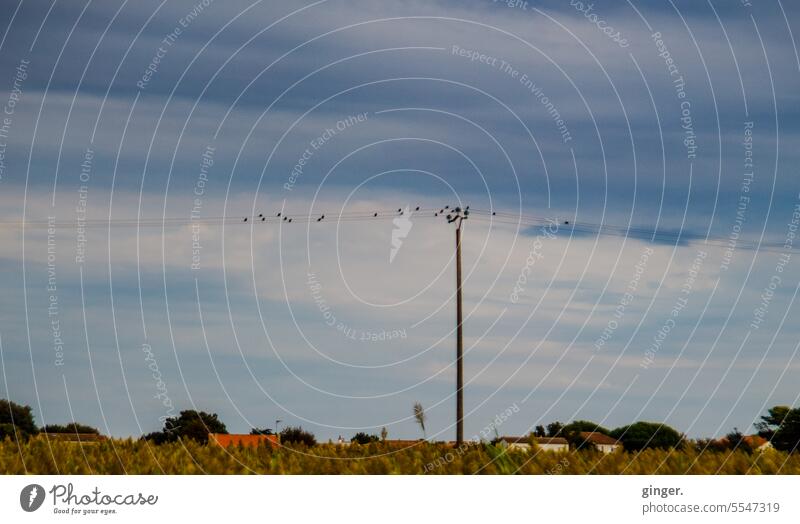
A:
{"x":755,"y":441}
{"x":226,"y":440}
{"x":595,"y":437}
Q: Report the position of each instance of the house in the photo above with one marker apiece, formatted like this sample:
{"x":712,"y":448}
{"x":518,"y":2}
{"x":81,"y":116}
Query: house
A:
{"x":601,"y":441}
{"x":757,"y":442}
{"x":544,"y":443}
{"x":226,"y":440}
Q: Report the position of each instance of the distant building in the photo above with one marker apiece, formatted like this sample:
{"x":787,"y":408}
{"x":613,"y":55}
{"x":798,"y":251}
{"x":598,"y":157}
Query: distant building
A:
{"x":758,"y":442}
{"x":226,"y":440}
{"x":544,"y":443}
{"x":601,"y":441}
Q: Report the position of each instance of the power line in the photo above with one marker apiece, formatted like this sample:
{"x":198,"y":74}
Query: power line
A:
{"x":572,"y":228}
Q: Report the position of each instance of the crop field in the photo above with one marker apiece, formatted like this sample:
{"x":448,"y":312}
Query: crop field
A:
{"x":116,"y":456}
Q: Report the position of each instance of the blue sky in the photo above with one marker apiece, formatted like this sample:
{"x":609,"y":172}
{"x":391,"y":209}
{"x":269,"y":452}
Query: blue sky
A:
{"x":436,"y":103}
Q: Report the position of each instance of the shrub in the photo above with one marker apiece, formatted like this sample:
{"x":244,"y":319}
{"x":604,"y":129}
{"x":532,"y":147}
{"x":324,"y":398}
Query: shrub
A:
{"x":72,"y":427}
{"x":191,"y":424}
{"x":296,"y":435}
{"x":643,"y":435}
{"x":364,"y":438}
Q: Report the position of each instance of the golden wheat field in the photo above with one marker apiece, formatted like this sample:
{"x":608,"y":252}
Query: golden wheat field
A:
{"x":116,"y":456}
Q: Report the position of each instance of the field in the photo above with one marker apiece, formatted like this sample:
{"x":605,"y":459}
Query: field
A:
{"x":38,"y":456}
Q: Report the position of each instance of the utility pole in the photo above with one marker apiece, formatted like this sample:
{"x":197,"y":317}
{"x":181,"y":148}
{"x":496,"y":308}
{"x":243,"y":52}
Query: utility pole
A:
{"x":458,"y":217}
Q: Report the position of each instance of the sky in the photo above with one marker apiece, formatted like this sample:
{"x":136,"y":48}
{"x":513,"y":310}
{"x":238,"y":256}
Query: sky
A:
{"x":130,"y":128}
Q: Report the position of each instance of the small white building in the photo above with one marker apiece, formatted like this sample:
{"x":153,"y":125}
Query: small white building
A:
{"x":601,"y":441}
{"x":544,"y":443}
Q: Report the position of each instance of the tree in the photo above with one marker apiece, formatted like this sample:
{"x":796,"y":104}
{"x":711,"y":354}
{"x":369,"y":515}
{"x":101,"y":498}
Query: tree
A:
{"x":261,"y":431}
{"x":191,"y":424}
{"x":419,"y":415}
{"x":16,"y":421}
{"x":572,"y":432}
{"x":787,"y":436}
{"x":735,"y":440}
{"x":364,"y":438}
{"x":297,"y":435}
{"x":540,"y":431}
{"x":554,"y":429}
{"x":642,"y":435}
{"x":384,"y":434}
{"x":772,"y":421}
{"x":72,"y":427}
{"x":781,"y":426}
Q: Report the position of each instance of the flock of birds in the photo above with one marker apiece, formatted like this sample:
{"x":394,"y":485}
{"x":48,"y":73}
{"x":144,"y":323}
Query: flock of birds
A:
{"x":660,"y":235}
{"x":377,"y":214}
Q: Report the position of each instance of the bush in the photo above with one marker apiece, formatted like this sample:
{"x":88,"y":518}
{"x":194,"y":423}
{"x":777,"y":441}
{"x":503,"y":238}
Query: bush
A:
{"x":191,"y":424}
{"x":72,"y":427}
{"x":16,"y":421}
{"x":364,"y":438}
{"x":643,"y":435}
{"x":297,"y":435}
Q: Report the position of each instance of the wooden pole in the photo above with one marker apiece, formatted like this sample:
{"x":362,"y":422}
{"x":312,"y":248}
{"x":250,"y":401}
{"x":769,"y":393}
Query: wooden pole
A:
{"x":459,"y":345}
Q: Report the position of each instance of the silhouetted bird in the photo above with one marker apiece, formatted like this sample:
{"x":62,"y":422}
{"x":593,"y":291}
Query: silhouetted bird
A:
{"x":290,"y":220}
{"x":417,"y":209}
{"x":566,"y":222}
{"x":260,"y":215}
{"x":376,"y":214}
{"x":446,"y":207}
{"x":263,"y":218}
{"x":284,"y":218}
{"x":400,"y":210}
{"x":245,"y":219}
{"x":493,"y":213}
{"x":279,"y":214}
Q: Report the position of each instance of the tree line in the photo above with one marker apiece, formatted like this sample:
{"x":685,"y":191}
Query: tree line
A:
{"x":780,"y":426}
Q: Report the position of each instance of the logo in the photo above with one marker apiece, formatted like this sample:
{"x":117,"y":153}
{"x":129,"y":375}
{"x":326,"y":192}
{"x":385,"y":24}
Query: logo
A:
{"x":31,"y":497}
{"x":402,"y":226}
